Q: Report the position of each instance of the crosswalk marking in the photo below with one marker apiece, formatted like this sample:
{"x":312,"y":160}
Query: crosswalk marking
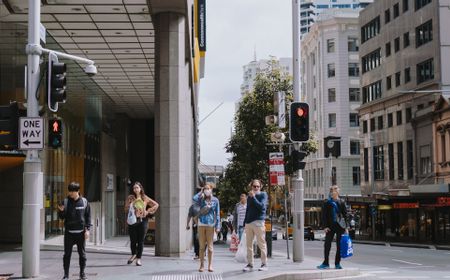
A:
{"x":404,"y":277}
{"x":395,"y":260}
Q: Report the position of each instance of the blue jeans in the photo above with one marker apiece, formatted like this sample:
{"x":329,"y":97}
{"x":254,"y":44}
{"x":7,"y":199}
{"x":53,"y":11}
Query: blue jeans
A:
{"x":240,"y":231}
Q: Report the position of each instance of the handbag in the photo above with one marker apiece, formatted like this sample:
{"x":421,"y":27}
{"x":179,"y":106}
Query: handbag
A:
{"x":131,"y":219}
{"x":346,"y":246}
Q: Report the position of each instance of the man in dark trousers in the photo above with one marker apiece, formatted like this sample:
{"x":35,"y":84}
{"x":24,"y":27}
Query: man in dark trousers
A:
{"x":76,"y":213}
{"x":335,"y":222}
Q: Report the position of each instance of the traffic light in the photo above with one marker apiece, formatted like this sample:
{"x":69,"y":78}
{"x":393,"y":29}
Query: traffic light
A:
{"x":55,"y":135}
{"x":297,"y":160}
{"x":56,"y":82}
{"x":299,"y":122}
{"x":9,"y":123}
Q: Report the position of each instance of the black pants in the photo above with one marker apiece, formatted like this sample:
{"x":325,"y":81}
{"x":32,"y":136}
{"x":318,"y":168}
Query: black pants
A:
{"x":71,"y":239}
{"x":137,"y":234}
{"x":335,"y":229}
{"x":196,"y":242}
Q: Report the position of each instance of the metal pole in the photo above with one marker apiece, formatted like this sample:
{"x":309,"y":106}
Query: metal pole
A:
{"x":298,"y":183}
{"x":32,"y":176}
{"x":286,"y":219}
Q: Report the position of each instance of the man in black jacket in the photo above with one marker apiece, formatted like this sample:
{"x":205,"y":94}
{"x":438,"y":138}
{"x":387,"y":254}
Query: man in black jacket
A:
{"x":76,"y":213}
{"x":335,"y":222}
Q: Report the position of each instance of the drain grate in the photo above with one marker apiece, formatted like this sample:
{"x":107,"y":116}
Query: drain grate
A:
{"x":209,"y":276}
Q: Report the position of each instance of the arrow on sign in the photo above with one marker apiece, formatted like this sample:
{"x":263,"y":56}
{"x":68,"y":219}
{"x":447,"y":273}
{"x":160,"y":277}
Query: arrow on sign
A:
{"x":27,"y":142}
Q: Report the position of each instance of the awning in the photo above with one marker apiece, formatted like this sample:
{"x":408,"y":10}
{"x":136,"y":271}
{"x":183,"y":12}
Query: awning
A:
{"x":8,"y":161}
{"x":429,"y":189}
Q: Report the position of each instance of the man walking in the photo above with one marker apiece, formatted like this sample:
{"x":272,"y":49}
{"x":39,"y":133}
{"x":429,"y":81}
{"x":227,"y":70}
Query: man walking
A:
{"x":239,"y":215}
{"x":254,"y":223}
{"x":76,"y":213}
{"x":335,"y":222}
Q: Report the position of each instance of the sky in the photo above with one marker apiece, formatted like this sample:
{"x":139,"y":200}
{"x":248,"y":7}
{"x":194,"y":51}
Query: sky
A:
{"x":234,"y":29}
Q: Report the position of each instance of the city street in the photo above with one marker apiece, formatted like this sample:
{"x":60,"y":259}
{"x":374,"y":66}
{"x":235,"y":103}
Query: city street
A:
{"x":384,"y":262}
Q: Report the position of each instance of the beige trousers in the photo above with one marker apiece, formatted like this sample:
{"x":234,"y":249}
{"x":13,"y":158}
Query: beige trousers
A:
{"x":205,"y":236}
{"x":251,"y":231}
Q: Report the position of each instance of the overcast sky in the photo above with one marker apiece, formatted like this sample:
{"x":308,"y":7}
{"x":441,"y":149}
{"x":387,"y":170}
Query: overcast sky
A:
{"x":234,"y":29}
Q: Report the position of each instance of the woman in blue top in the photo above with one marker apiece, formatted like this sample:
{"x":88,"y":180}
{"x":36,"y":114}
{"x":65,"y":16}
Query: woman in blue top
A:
{"x":208,"y":221}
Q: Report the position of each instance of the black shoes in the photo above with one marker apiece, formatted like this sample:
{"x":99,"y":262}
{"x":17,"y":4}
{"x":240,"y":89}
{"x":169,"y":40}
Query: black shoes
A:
{"x":83,"y":276}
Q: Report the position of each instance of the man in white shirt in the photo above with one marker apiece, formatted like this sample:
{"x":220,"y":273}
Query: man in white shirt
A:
{"x":239,"y":215}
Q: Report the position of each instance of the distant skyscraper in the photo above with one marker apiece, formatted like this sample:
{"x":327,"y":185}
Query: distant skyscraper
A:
{"x":310,"y":9}
{"x":257,"y":66}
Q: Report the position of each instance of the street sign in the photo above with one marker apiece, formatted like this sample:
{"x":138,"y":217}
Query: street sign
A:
{"x":276,"y":169}
{"x":31,"y":133}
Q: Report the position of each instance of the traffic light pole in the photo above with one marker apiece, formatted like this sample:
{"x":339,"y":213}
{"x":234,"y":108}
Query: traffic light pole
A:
{"x":298,"y":183}
{"x":32,"y":177}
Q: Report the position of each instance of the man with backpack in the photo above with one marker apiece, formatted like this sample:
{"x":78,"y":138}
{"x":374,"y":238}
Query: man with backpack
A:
{"x":75,"y":211}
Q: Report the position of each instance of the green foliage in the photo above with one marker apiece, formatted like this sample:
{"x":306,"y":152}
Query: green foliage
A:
{"x":248,"y":146}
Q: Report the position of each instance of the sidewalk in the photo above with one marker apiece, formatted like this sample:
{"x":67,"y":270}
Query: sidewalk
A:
{"x":108,"y":261}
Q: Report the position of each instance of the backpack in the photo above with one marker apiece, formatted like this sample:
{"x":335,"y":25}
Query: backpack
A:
{"x":85,"y":202}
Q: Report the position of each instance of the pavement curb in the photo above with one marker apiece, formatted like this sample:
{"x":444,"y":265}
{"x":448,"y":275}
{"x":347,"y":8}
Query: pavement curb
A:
{"x":313,"y":274}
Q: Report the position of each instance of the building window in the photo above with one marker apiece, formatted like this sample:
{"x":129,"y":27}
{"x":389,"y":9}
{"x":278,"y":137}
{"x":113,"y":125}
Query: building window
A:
{"x":425,"y":165}
{"x":405,"y":5}
{"x":372,"y":92}
{"x":332,"y":120}
{"x":372,"y":124}
{"x":354,"y":147}
{"x":387,"y":16}
{"x":408,"y":113}
{"x":354,"y":94}
{"x":443,"y":150}
{"x":390,"y":120}
{"x":388,"y":49}
{"x":378,"y":160}
{"x":399,"y":117}
{"x":371,"y":60}
{"x":380,"y":122}
{"x":370,"y":29}
{"x":396,"y":10}
{"x":364,"y":126}
{"x":397,"y":44}
{"x":397,"y":79}
{"x":331,"y":95}
{"x":331,"y":70}
{"x":424,"y":33}
{"x":356,"y":175}
{"x":353,"y":70}
{"x":421,"y":3}
{"x":330,"y":45}
{"x":354,"y":120}
{"x":409,"y":159}
{"x":425,"y":71}
{"x":407,"y":75}
{"x":391,"y":161}
{"x":405,"y":39}
{"x":388,"y":82}
{"x":400,"y":160}
{"x":353,"y":44}
{"x":366,"y":164}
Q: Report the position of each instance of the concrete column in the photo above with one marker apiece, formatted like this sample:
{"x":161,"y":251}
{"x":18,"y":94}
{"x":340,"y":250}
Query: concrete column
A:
{"x":173,"y":134}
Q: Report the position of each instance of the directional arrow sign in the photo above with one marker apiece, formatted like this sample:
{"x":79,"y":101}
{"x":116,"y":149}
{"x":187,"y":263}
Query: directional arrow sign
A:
{"x":31,"y":134}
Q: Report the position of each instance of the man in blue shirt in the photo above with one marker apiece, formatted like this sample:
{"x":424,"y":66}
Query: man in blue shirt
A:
{"x":254,"y":223}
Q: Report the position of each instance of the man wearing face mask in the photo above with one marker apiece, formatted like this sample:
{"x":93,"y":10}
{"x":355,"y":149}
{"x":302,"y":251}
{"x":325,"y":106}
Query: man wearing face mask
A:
{"x":208,"y":221}
{"x":254,"y":223}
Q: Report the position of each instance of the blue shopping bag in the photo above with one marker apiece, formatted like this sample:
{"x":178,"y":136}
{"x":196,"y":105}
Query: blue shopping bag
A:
{"x":346,"y":246}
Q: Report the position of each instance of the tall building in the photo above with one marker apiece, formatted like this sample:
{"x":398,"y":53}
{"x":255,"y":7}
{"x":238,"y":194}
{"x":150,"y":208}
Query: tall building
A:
{"x":311,"y":9}
{"x":330,"y":80}
{"x":251,"y":70}
{"x":405,"y":58}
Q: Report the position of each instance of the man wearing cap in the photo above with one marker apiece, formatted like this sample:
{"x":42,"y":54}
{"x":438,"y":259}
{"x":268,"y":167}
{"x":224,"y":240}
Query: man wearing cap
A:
{"x":75,"y":211}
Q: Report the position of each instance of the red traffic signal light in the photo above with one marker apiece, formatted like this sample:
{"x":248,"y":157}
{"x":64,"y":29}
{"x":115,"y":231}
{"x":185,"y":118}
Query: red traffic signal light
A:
{"x":55,"y":133}
{"x":299,"y":122}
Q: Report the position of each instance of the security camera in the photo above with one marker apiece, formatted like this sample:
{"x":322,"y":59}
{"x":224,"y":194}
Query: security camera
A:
{"x":90,"y":70}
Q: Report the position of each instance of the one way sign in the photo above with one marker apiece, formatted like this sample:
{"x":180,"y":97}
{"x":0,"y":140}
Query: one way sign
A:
{"x":31,"y":134}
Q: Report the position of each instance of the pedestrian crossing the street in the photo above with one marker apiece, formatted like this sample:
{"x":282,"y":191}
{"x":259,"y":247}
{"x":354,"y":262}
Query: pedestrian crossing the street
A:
{"x":199,"y":276}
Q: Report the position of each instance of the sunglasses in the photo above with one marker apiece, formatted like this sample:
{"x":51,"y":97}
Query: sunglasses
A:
{"x":256,"y":186}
